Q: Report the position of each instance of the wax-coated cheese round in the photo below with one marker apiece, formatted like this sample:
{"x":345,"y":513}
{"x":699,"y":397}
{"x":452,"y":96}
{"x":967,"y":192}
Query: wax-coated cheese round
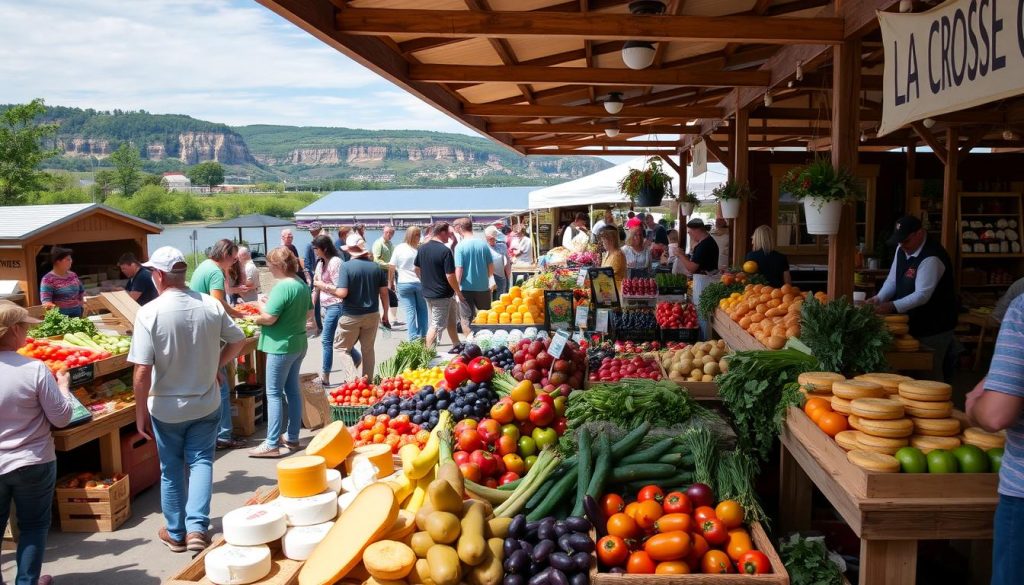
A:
{"x":322,"y":507}
{"x":252,"y":525}
{"x":237,"y":565}
{"x":301,"y":477}
{"x":333,"y":443}
{"x":334,"y":480}
{"x":298,"y":543}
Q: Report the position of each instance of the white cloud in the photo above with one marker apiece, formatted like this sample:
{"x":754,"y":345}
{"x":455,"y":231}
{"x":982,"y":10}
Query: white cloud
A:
{"x":234,"y":62}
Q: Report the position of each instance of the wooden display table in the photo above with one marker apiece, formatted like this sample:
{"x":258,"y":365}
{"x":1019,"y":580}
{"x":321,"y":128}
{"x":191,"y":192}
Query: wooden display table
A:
{"x":106,"y":428}
{"x":889,"y":512}
{"x":739,"y":340}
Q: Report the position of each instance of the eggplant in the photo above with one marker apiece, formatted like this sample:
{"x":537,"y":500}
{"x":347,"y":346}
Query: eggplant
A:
{"x":517,"y":529}
{"x":556,"y":577}
{"x":565,"y":544}
{"x":562,"y":562}
{"x":513,"y":580}
{"x":561,"y":528}
{"x":546,"y":530}
{"x":510,"y":546}
{"x":595,"y":515}
{"x":531,"y":528}
{"x":578,"y":524}
{"x":540,"y":578}
{"x":578,"y":579}
{"x":519,"y":562}
{"x":582,"y":561}
{"x":525,"y":546}
{"x":542,"y":550}
{"x":580,"y":543}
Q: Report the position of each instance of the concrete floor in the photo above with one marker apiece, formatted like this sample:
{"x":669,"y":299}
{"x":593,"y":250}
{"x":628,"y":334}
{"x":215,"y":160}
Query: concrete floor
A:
{"x":132,"y":555}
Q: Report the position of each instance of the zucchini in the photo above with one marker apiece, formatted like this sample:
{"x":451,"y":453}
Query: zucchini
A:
{"x":584,"y":470}
{"x":542,"y":491}
{"x":630,"y":441}
{"x":557,"y":494}
{"x":595,"y":489}
{"x":639,"y":471}
{"x":649,"y":454}
{"x":677,"y":459}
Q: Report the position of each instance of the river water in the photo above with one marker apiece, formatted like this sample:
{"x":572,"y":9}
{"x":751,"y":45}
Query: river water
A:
{"x":180,"y":236}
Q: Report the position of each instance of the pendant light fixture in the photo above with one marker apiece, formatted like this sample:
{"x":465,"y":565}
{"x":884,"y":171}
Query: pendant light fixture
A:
{"x":613,"y":104}
{"x":640,"y":54}
{"x":768,"y":99}
{"x":906,"y":5}
{"x":611,"y":132}
{"x":928,"y":122}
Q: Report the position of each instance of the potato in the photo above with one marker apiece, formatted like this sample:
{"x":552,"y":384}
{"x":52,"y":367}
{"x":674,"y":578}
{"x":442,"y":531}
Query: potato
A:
{"x":717,"y":353}
{"x":707,"y":378}
{"x":696,"y":373}
{"x":711,"y":368}
{"x":698,"y":355}
{"x":707,"y":360}
{"x":686,"y":366}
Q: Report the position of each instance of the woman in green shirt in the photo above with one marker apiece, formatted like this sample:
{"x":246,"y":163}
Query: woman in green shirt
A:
{"x":283,"y":338}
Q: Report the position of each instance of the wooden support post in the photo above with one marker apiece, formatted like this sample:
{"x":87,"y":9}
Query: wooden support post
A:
{"x":683,"y":188}
{"x":741,"y":173}
{"x":888,"y":561}
{"x":950,"y":204}
{"x":845,"y":135}
{"x":911,"y":174}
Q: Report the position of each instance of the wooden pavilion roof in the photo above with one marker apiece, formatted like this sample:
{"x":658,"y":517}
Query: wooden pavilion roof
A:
{"x":532,"y":74}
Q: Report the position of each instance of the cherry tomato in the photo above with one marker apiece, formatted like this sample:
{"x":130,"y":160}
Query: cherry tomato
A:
{"x":754,"y":562}
{"x":612,"y":504}
{"x":715,"y":562}
{"x":647,"y":514}
{"x":730,"y":512}
{"x":623,"y":526}
{"x":739,"y":543}
{"x":677,"y":502}
{"x":668,"y":546}
{"x":651,"y":492}
{"x":672,"y":522}
{"x":612,"y":551}
{"x":714,"y":531}
{"x":672,"y":568}
{"x":640,"y":563}
{"x":703,"y":513}
{"x":631,"y":509}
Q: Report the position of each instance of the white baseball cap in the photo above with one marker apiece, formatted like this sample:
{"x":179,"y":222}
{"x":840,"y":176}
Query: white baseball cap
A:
{"x":167,"y":259}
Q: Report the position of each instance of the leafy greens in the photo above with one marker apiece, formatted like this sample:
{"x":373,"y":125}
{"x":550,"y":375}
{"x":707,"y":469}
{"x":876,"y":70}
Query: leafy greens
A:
{"x":846,"y":339}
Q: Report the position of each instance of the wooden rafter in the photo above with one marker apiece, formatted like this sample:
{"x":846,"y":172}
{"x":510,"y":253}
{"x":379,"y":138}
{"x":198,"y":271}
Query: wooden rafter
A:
{"x":716,"y":152}
{"x":563,"y":143}
{"x":514,"y":128}
{"x":602,"y":152}
{"x":501,"y":47}
{"x":591,"y":111}
{"x":680,"y":170}
{"x":932,"y":141}
{"x":674,"y":8}
{"x":585,"y":76}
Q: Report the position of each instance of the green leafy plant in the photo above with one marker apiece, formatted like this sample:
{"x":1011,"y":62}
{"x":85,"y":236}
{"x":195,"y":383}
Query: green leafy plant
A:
{"x":651,"y":178}
{"x":732,"y":190}
{"x":54,"y":323}
{"x":822,"y":181}
{"x":689,"y":197}
{"x":807,"y":562}
{"x":846,"y":339}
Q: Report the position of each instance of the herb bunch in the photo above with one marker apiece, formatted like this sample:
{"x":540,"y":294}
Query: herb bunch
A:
{"x":807,"y":562}
{"x":846,"y":339}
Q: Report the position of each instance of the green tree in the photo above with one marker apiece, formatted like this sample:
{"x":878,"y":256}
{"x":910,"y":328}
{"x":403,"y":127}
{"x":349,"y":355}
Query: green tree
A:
{"x":151,"y":179}
{"x":209,"y":174}
{"x":127,"y":168}
{"x":103,"y":184}
{"x":21,"y":150}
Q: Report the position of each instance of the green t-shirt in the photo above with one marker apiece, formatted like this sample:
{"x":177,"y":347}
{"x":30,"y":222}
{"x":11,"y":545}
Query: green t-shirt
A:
{"x":290,"y":301}
{"x":207,"y":278}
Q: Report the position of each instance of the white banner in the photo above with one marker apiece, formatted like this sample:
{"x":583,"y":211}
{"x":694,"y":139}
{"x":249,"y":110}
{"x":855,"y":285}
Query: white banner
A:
{"x":961,"y":54}
{"x":700,"y":159}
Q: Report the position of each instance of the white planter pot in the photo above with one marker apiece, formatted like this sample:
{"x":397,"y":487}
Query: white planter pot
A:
{"x":822,"y":216}
{"x":730,"y":208}
{"x":686,"y":209}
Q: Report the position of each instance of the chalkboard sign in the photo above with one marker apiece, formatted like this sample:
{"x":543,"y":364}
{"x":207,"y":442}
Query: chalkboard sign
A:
{"x":82,"y":374}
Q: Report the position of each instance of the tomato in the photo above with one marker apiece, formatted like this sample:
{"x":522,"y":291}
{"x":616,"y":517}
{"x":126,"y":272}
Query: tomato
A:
{"x":612,"y":551}
{"x":754,"y":562}
{"x":672,"y":568}
{"x":623,"y":526}
{"x":677,"y":502}
{"x":668,"y":546}
{"x":651,"y":492}
{"x":698,"y":548}
{"x":715,"y":562}
{"x":612,"y":504}
{"x":730,"y":512}
{"x":640,"y":563}
{"x":739,"y":543}
{"x":631,"y":509}
{"x":714,"y":531}
{"x":703,"y":513}
{"x":671,"y":522}
{"x":647,"y":514}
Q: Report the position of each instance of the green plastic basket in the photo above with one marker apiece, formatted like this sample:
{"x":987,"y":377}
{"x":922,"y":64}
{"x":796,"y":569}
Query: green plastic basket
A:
{"x":349,"y":415}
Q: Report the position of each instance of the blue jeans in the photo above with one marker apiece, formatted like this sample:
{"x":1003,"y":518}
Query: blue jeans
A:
{"x":73,"y":311}
{"x":283,"y":392}
{"x":500,"y":286}
{"x":412,"y":303}
{"x":1008,"y":542}
{"x":224,"y":425}
{"x":316,"y":313}
{"x":190,"y":445}
{"x":31,"y":489}
{"x":332,"y":315}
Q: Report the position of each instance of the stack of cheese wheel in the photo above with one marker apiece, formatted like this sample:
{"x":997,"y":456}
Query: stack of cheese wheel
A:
{"x":927,"y":403}
{"x":246,"y":557}
{"x":899,"y":326}
{"x":845,"y":391}
{"x":818,"y":383}
{"x":890,"y":382}
{"x":983,"y":439}
{"x":883,"y":429}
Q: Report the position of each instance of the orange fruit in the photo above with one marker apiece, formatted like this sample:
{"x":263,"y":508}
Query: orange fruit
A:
{"x":832,"y":423}
{"x":814,"y":404}
{"x":750,"y":267}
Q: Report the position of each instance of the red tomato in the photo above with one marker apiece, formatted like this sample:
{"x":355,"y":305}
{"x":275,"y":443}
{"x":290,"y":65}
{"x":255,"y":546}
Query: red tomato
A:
{"x":612,"y":504}
{"x":703,"y":513}
{"x":640,"y":563}
{"x":651,"y":492}
{"x":677,"y":503}
{"x":714,"y":531}
{"x":754,"y":562}
{"x":612,"y":551}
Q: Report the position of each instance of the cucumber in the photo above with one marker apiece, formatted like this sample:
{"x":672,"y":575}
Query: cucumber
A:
{"x":542,"y":491}
{"x":512,"y":485}
{"x":677,"y":459}
{"x":558,"y":493}
{"x":595,"y":489}
{"x":584,"y":470}
{"x":630,"y":441}
{"x":639,"y":471}
{"x":649,"y":454}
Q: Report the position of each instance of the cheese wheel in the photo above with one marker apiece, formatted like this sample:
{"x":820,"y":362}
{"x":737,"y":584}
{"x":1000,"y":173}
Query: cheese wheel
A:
{"x":300,"y":541}
{"x":854,"y":421}
{"x":897,"y":318}
{"x":890,"y":382}
{"x":389,"y":559}
{"x":378,"y":454}
{"x":334,"y":480}
{"x":840,"y":405}
{"x":877,"y":462}
{"x":876,"y":408}
{"x":848,"y":439}
{"x":884,"y":445}
{"x":252,"y":525}
{"x":854,"y":389}
{"x":818,"y":382}
{"x":921,"y":409}
{"x":333,"y":443}
{"x":301,"y":477}
{"x":345,"y":500}
{"x":371,"y":515}
{"x":237,"y":565}
{"x":322,"y":507}
{"x":936,"y":427}
{"x":984,"y":439}
{"x":892,"y":429}
{"x":906,"y":343}
{"x":926,"y":390}
{"x":404,"y":525}
{"x":926,"y":444}
{"x":898,"y":328}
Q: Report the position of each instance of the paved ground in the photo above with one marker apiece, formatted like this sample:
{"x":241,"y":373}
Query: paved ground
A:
{"x":131,"y":555}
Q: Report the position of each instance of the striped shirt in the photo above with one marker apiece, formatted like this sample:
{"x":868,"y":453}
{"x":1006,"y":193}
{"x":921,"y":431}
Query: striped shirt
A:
{"x":67,"y":292}
{"x":1006,"y":375}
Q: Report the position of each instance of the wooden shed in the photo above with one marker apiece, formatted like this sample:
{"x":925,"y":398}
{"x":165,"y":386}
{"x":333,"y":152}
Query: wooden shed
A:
{"x":97,"y":234}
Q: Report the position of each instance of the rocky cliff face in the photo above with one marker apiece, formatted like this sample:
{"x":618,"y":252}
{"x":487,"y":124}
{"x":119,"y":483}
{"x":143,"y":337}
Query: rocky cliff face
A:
{"x":442,"y":153}
{"x":365,"y":154}
{"x":156,"y":151}
{"x":197,"y":147}
{"x":97,"y":147}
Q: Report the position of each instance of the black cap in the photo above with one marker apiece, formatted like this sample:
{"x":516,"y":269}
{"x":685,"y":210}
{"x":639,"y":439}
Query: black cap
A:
{"x":905,"y":226}
{"x":696,"y":223}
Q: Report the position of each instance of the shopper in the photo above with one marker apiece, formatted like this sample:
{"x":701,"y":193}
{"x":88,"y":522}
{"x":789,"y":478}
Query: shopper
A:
{"x":208,"y":279}
{"x":30,"y":401}
{"x":404,"y":277}
{"x":339,"y":244}
{"x":474,"y":269}
{"x":607,"y":220}
{"x":364,"y":290}
{"x":250,"y":276}
{"x":436,"y":264}
{"x":325,"y":277}
{"x":502,"y":267}
{"x":522,"y":250}
{"x":288,"y":241}
{"x":723,"y":238}
{"x":283,"y":340}
{"x":638,"y":253}
{"x":382,"y":251}
{"x":576,"y":235}
{"x":997,"y":404}
{"x":658,"y":233}
{"x":60,"y":288}
{"x":921,"y":285}
{"x":703,"y":258}
{"x":140,"y":284}
{"x":181,"y":343}
{"x":309,"y":260}
{"x":613,"y":258}
{"x":771,"y":264}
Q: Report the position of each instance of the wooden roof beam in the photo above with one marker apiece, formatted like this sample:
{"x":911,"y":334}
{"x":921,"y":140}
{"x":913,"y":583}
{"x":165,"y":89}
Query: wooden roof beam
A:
{"x":502,"y":47}
{"x":639,"y":129}
{"x":593,"y":26}
{"x":584,"y":76}
{"x":590,"y":111}
{"x":602,"y":152}
{"x":932,"y":141}
{"x":563,"y":143}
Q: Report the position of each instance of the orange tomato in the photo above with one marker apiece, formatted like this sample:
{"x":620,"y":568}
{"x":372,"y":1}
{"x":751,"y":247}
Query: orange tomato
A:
{"x":640,"y":563}
{"x":730,"y":512}
{"x":671,"y":522}
{"x":672,"y":568}
{"x":698,"y":548}
{"x":739,"y":544}
{"x":715,"y":562}
{"x":668,"y":546}
{"x":631,"y":509}
{"x":832,"y":423}
{"x":647,"y":514}
{"x":816,"y":403}
{"x":612,"y":504}
{"x":623,"y":526}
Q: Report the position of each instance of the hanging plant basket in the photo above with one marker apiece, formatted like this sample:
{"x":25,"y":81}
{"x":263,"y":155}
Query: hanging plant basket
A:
{"x":686,"y":209}
{"x":730,"y":208}
{"x":823,"y":216}
{"x":650,"y":196}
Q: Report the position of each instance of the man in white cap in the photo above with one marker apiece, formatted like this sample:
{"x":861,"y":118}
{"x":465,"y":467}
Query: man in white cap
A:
{"x":309,"y":267}
{"x":181,"y":340}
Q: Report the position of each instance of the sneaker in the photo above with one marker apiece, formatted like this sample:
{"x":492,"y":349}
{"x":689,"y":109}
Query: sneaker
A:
{"x":197,"y":541}
{"x":176,"y":546}
{"x":231,"y":443}
{"x":265,"y":451}
{"x":292,"y":445}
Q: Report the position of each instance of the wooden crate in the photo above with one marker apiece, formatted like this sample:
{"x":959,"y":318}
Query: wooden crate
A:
{"x":283,"y":571}
{"x":762,"y":543}
{"x":869,"y":484}
{"x":737,"y":338}
{"x":93,"y":509}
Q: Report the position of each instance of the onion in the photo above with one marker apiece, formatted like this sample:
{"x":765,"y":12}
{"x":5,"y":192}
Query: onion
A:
{"x":700,"y":495}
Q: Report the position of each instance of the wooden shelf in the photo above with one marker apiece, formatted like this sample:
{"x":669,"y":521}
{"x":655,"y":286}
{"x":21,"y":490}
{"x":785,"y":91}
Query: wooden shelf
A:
{"x":995,"y":255}
{"x":986,"y":214}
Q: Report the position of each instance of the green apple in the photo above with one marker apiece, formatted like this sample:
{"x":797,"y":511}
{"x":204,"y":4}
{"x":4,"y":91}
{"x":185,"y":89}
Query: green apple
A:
{"x":529,"y":462}
{"x":560,"y":404}
{"x":544,"y":436}
{"x":941,"y":461}
{"x":912,"y":460}
{"x":971,"y":459}
{"x":527,"y":446}
{"x":510,"y":430}
{"x":995,"y":458}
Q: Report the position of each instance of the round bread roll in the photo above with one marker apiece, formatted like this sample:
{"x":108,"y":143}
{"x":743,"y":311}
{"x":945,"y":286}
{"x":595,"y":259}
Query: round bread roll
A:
{"x":926,"y":443}
{"x":936,"y":427}
{"x":876,"y":408}
{"x":877,"y":462}
{"x":854,"y":421}
{"x":840,"y":405}
{"x":848,"y":440}
{"x":891,"y":382}
{"x":884,"y":445}
{"x":926,"y":390}
{"x":906,"y":343}
{"x":853,"y":389}
{"x":921,"y":409}
{"x":818,"y":382}
{"x":983,"y":439}
{"x":890,"y":429}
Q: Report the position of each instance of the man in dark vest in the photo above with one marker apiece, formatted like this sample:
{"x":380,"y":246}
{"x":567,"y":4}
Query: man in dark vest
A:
{"x":920,"y":285}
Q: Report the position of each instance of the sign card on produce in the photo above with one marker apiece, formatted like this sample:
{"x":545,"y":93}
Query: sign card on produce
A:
{"x":961,"y":54}
{"x":558,"y":344}
{"x":582,"y":315}
{"x":601,"y":323}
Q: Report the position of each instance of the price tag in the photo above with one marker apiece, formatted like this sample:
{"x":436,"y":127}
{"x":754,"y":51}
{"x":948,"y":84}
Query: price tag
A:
{"x":601,"y":326}
{"x":82,"y":374}
{"x":558,"y":344}
{"x":581,"y":278}
{"x":582,"y":315}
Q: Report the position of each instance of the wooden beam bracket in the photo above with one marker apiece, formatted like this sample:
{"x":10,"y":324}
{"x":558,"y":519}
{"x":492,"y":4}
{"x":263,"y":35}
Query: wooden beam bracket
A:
{"x":931,"y":141}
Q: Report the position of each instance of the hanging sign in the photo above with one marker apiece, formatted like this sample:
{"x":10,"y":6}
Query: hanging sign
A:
{"x":700,"y":158}
{"x":961,"y":54}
